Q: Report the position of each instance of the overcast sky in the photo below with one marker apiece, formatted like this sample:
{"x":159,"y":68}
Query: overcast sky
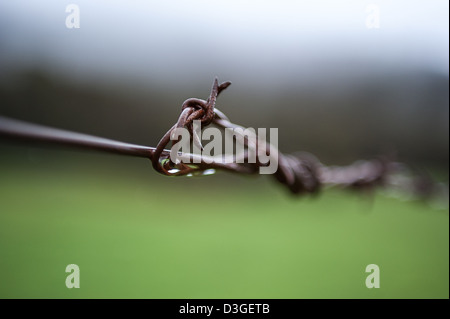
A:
{"x":263,"y":40}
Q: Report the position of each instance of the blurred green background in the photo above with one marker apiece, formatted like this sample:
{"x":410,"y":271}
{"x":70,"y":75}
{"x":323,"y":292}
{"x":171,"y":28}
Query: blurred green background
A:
{"x":314,"y":70}
{"x":136,"y":234}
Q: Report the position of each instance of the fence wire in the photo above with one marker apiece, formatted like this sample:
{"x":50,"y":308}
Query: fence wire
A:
{"x":300,"y":173}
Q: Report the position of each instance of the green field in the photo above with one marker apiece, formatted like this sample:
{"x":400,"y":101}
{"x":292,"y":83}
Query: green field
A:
{"x":136,"y":234}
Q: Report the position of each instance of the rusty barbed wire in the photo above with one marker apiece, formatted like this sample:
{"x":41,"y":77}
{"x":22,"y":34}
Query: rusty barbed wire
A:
{"x":301,"y":172}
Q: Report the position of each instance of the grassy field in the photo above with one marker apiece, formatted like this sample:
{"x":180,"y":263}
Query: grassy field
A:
{"x":135,"y":234}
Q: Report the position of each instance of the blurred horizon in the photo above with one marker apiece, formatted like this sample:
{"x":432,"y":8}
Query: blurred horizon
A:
{"x":401,"y":115}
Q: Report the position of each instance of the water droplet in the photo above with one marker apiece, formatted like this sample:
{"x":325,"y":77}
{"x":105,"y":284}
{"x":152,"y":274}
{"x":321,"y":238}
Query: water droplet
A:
{"x":209,"y":171}
{"x":206,"y":172}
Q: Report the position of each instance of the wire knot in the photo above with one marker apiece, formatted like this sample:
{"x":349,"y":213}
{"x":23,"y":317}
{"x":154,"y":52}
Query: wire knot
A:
{"x":192,"y":109}
{"x":203,"y":110}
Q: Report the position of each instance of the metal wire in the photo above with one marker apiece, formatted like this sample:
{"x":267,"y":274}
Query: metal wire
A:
{"x":300,"y":172}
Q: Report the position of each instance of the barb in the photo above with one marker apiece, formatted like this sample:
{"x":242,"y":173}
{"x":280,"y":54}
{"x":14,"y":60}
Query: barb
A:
{"x":300,"y":172}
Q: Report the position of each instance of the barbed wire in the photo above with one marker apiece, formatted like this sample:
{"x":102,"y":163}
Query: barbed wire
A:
{"x":300,"y":172}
